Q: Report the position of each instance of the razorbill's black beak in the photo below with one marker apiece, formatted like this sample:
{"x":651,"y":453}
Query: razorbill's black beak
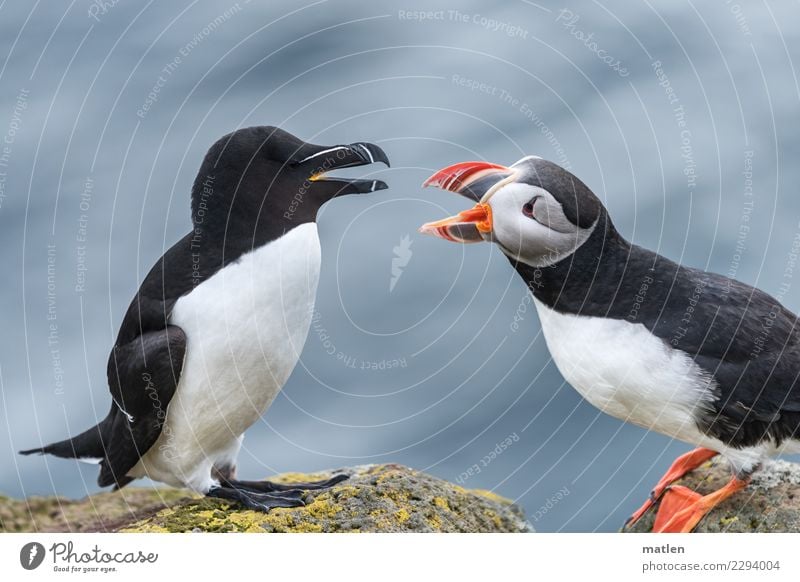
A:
{"x":327,"y":159}
{"x":474,"y":180}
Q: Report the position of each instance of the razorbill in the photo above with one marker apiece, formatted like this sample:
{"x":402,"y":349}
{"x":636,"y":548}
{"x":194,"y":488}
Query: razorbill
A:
{"x":694,"y":355}
{"x":220,"y":320}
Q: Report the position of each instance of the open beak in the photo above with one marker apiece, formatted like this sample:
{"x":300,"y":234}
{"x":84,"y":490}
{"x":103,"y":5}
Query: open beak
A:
{"x":328,"y":159}
{"x":468,"y":226}
{"x":474,"y":180}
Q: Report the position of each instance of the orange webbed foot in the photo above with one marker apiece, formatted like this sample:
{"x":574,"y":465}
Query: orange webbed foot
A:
{"x":682,"y":465}
{"x":675,"y":499}
{"x":682,"y":509}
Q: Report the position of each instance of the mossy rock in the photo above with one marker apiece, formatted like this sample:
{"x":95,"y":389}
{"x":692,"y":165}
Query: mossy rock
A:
{"x":104,"y":512}
{"x":375,"y":498}
{"x":771,"y":503}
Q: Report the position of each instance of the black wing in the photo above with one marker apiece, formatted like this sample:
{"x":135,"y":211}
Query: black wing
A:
{"x":142,"y":377}
{"x":749,"y":343}
{"x":741,"y":336}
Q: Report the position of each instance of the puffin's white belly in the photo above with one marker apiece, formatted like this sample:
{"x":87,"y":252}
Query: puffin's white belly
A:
{"x":245,"y":328}
{"x":627,"y":372}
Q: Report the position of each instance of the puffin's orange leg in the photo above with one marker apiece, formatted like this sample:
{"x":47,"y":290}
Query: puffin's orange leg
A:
{"x":679,"y":518}
{"x":682,"y":465}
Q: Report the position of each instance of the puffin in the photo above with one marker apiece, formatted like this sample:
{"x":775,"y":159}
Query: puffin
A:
{"x":691,"y":354}
{"x":220,"y":320}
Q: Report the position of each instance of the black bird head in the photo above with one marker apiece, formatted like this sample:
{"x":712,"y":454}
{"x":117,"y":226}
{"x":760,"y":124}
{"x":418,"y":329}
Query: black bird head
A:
{"x":263,"y":174}
{"x":537,"y":212}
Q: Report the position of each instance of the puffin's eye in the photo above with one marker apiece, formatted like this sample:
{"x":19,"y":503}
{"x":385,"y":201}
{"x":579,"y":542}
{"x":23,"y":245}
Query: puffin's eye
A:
{"x":527,"y":209}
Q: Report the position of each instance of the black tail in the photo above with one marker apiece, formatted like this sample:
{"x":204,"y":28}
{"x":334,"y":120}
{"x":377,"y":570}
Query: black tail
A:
{"x":87,"y":445}
{"x":91,"y":445}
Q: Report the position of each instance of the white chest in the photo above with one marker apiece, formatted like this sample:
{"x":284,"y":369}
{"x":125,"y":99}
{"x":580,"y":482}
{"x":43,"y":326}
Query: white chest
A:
{"x":627,"y":372}
{"x":245,"y":328}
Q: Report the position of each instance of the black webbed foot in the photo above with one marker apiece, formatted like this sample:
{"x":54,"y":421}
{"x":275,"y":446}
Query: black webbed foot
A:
{"x":270,"y":487}
{"x":259,"y":501}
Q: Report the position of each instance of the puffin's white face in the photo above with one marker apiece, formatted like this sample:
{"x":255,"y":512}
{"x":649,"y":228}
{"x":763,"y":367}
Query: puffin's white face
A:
{"x":526,"y":221}
{"x":529,"y":224}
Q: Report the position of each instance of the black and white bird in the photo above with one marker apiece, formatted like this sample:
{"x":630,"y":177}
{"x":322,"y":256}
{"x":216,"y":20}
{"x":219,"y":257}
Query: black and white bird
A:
{"x":694,"y":355}
{"x":220,"y":320}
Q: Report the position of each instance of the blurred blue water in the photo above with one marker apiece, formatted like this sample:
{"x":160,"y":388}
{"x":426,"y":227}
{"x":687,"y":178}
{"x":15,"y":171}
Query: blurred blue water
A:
{"x":661,"y":107}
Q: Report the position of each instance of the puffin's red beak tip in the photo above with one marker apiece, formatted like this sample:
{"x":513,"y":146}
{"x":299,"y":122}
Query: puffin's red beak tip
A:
{"x":456,"y":177}
{"x":429,"y":183}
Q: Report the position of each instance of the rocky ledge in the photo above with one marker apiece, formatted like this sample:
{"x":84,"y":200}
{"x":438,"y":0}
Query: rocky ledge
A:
{"x":376,"y":498}
{"x":771,"y":503}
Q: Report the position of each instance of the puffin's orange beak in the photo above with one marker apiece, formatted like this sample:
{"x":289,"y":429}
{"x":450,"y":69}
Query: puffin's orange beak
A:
{"x":473,"y":180}
{"x":465,"y":227}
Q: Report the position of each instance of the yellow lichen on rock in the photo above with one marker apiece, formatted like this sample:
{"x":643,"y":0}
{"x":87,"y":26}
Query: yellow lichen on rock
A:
{"x":490,"y":495}
{"x":375,"y":498}
{"x":441,"y":502}
{"x":402,"y":515}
